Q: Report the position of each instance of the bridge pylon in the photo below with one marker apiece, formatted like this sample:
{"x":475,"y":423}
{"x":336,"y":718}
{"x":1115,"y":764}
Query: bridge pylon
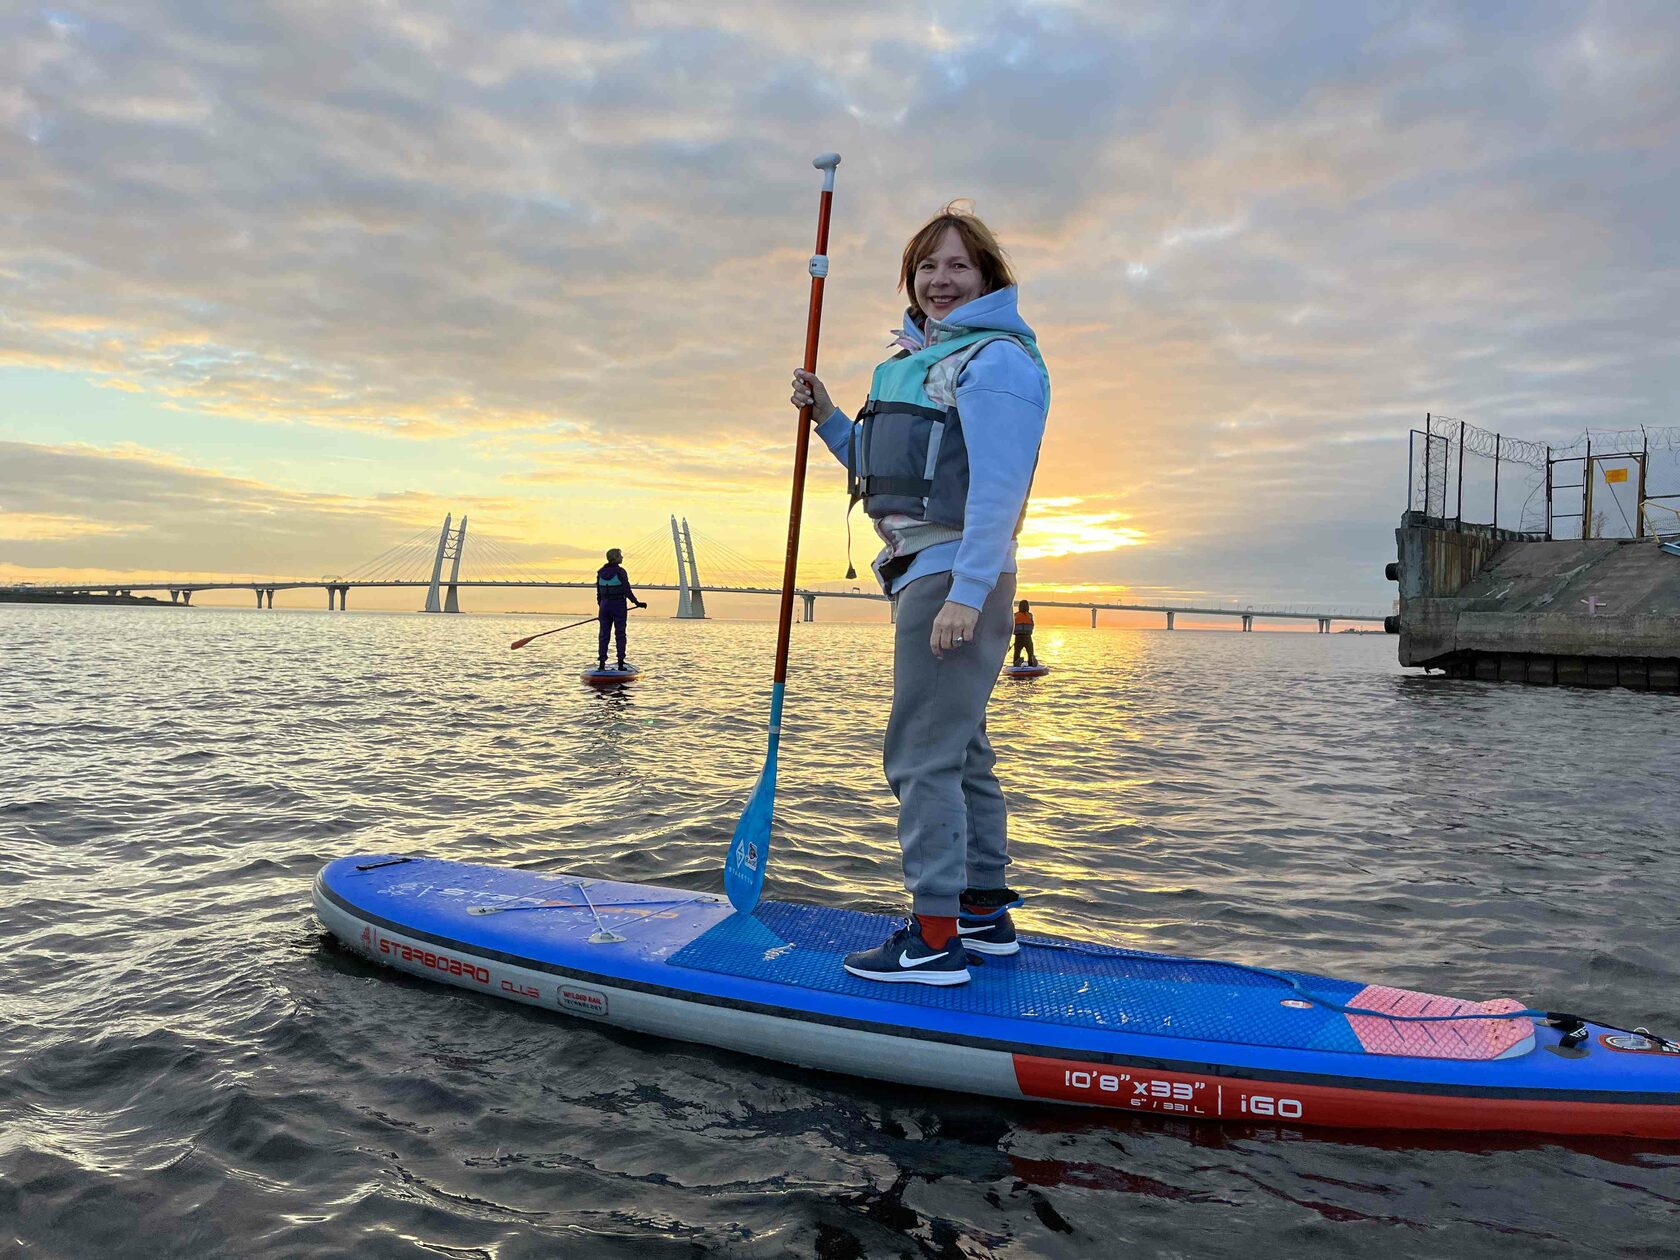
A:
{"x":451,"y":543}
{"x":685,"y":610}
{"x":691,"y":600}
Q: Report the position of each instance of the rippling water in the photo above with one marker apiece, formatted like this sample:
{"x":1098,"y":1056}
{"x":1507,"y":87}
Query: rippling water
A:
{"x":188,"y":1066}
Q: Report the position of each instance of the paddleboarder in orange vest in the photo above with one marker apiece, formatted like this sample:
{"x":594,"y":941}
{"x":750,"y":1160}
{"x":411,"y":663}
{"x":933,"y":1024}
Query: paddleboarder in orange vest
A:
{"x":1023,"y":633}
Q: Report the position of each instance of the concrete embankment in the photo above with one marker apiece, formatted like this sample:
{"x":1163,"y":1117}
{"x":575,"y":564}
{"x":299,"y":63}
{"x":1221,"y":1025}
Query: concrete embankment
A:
{"x":1497,"y":605}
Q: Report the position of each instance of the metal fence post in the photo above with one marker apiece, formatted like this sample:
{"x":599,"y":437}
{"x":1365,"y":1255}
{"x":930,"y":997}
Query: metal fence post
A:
{"x":1458,"y":507}
{"x":1548,"y":492}
{"x":1586,"y":491}
{"x":1639,"y":499}
{"x":1496,"y":481}
{"x":1428,"y":455}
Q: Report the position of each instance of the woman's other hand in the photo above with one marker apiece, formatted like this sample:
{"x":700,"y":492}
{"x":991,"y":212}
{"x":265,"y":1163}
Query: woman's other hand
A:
{"x":953,"y":628}
{"x":809,"y":391}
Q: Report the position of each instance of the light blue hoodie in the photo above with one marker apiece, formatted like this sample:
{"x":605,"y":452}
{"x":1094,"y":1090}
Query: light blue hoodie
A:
{"x":1003,"y":403}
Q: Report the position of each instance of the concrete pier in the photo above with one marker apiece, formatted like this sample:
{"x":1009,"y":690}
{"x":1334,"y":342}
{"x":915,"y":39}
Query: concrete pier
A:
{"x":1497,"y":605}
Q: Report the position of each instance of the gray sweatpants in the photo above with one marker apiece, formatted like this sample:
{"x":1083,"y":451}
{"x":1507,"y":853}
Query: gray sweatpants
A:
{"x":952,"y":822}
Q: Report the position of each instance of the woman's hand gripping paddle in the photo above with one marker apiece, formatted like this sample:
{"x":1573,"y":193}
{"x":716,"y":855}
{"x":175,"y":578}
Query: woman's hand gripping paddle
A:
{"x":749,"y":851}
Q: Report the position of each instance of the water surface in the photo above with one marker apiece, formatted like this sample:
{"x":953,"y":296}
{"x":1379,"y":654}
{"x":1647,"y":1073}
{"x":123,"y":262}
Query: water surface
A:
{"x":189,"y":1067}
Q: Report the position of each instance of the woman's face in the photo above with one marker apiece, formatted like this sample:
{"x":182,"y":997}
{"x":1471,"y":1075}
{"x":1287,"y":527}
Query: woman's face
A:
{"x":947,"y":278}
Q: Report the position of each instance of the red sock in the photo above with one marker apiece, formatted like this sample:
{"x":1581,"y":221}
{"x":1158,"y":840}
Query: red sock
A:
{"x":936,"y":930}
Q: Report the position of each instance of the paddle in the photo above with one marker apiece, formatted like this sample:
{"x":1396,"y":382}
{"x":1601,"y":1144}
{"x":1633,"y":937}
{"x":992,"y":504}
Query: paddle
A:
{"x":749,"y":851}
{"x":519,"y":643}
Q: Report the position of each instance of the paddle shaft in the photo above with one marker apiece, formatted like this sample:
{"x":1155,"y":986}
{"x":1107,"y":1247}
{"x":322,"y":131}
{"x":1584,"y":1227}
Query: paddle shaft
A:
{"x":802,"y":441}
{"x":749,"y":849}
{"x":557,"y":629}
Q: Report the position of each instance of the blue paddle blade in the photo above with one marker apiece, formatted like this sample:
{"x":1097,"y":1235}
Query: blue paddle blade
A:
{"x":749,"y":851}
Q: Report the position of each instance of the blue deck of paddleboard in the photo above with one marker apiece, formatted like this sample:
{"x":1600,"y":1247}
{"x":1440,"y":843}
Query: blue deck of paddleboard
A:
{"x":1061,"y":982}
{"x":1056,"y":998}
{"x":1070,"y":994}
{"x":786,"y":959}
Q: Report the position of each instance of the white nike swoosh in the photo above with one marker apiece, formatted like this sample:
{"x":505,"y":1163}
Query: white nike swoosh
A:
{"x":904,"y":959}
{"x":971,"y":931}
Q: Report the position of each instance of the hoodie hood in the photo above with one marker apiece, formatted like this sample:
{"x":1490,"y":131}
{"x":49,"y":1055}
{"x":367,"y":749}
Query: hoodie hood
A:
{"x":991,"y":312}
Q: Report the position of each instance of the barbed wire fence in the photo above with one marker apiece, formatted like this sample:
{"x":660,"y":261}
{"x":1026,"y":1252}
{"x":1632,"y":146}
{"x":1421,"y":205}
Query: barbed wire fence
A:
{"x":1605,"y":483}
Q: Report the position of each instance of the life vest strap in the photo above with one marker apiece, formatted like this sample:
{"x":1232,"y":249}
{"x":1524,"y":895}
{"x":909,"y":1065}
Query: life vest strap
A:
{"x":912,"y":487}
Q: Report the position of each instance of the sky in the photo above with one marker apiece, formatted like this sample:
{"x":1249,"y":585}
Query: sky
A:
{"x":283,"y":283}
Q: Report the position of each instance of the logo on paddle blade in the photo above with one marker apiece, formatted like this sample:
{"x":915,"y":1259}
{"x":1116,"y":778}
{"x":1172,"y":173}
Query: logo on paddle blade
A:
{"x":752,"y":856}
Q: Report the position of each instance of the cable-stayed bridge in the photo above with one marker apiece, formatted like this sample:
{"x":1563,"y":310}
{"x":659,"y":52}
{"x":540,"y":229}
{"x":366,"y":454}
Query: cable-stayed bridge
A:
{"x":433,"y":561}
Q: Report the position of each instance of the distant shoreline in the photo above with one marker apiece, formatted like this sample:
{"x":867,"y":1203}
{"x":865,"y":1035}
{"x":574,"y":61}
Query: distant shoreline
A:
{"x":55,"y":597}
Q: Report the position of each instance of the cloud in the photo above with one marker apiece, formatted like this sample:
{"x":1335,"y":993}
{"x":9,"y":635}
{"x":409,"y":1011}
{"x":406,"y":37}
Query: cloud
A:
{"x":133,"y":511}
{"x":1055,"y":529}
{"x":1259,"y":242}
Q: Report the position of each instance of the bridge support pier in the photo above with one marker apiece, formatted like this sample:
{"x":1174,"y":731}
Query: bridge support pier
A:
{"x":1324,"y":625}
{"x":1248,"y":621}
{"x":1093,"y":617}
{"x":696,"y":597}
{"x":271,"y":597}
{"x":892,"y":609}
{"x":1169,"y":620}
{"x":451,"y":543}
{"x":810,"y":607}
{"x":683,"y":610}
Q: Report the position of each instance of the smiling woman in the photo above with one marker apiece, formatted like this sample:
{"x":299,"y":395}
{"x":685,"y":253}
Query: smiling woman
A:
{"x":942,"y":455}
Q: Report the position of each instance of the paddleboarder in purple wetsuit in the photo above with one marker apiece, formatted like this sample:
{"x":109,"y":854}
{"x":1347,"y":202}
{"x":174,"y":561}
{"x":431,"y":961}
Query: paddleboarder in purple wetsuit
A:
{"x":942,"y":456}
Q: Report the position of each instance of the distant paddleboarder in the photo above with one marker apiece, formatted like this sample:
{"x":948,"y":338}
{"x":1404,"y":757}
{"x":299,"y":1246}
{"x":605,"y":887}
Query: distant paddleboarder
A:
{"x":1023,"y":634}
{"x":613,"y":597}
{"x":942,"y":455}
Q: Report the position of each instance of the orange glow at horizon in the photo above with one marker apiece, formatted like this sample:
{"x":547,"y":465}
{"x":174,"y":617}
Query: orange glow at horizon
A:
{"x":1052,"y":531}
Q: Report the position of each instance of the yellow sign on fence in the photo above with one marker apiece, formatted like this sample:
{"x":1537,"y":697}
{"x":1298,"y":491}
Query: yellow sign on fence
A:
{"x":1615,"y":474}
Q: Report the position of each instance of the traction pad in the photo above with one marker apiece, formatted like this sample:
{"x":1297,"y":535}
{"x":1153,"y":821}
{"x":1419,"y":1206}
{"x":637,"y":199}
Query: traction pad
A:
{"x":1089,"y":986}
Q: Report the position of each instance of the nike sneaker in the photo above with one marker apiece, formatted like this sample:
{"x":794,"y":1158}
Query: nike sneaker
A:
{"x":907,"y":959}
{"x":984,"y":925}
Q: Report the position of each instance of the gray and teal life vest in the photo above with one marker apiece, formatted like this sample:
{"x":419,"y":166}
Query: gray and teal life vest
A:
{"x":611,"y":582}
{"x":907,"y":454}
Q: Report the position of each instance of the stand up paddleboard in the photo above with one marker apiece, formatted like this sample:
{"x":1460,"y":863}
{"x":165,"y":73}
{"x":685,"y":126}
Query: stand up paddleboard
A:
{"x":611,"y":677}
{"x":1025,"y":671}
{"x":1063,"y":1021}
